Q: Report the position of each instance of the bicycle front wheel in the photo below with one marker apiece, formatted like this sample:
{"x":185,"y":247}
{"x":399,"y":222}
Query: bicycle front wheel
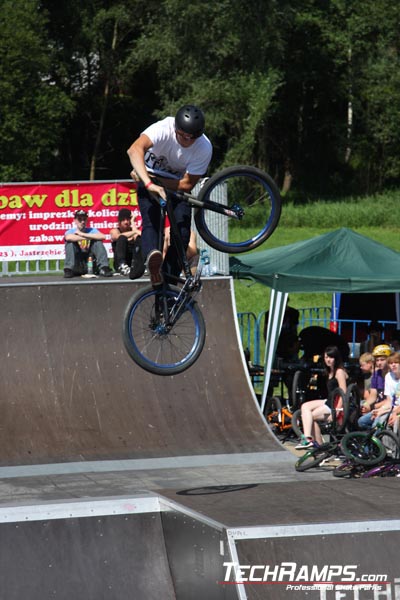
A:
{"x":297,"y":424}
{"x":162,"y":335}
{"x":363,"y":448}
{"x":313,"y":458}
{"x":251,"y":206}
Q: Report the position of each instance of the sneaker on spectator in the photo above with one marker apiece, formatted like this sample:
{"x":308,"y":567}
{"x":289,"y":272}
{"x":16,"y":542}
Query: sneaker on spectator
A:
{"x":154,"y":262}
{"x":68,"y":273}
{"x":123,"y":269}
{"x":305,"y":442}
{"x":105,"y":272}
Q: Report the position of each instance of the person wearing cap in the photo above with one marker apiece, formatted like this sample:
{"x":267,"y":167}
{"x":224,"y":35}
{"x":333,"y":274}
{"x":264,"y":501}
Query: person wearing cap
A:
{"x":171,"y":154}
{"x":376,"y":397}
{"x":81,"y":242}
{"x":391,"y":393}
{"x":126,"y":245}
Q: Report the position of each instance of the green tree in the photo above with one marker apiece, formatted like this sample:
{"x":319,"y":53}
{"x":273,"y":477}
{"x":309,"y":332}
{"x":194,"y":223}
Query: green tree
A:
{"x":222,"y":56}
{"x":32,"y":107}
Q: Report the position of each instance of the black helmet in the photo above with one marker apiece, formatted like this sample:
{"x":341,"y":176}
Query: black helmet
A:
{"x":190,"y":119}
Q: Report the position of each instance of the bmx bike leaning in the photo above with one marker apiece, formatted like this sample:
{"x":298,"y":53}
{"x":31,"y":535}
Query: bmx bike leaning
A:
{"x":236,"y":210}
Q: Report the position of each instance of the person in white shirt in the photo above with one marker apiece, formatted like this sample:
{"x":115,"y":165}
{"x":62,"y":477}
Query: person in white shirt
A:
{"x":173,"y":153}
{"x":392,"y":393}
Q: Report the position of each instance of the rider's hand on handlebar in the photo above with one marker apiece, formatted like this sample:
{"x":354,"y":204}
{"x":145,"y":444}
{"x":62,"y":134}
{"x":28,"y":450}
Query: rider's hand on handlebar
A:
{"x":157,"y":189}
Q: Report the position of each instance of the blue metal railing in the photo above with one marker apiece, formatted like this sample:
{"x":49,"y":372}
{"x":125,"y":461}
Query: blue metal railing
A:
{"x":251,"y":329}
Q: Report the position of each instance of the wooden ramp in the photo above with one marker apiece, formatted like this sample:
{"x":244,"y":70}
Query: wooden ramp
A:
{"x":70,"y":392}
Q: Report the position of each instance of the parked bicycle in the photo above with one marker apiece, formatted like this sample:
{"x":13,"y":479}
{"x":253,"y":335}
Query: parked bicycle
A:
{"x":332,"y":429}
{"x":389,"y":468}
{"x":163,"y":328}
{"x":279,"y":418}
{"x":373,"y":445}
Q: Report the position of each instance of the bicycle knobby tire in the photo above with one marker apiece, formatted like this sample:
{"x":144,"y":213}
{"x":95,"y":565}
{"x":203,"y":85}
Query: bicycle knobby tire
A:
{"x":251,"y":195}
{"x":157,"y":348}
{"x":363,"y":448}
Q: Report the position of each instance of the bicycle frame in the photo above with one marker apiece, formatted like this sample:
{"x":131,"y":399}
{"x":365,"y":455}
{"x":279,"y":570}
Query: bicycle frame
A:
{"x":166,"y":208}
{"x":235,"y":211}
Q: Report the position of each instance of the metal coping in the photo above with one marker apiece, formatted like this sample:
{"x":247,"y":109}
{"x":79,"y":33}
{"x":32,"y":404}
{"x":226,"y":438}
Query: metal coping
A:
{"x":314,"y":529}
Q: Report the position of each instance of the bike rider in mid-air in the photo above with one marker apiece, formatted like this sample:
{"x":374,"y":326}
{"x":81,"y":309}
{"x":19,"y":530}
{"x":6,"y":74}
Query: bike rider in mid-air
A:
{"x":177,"y":153}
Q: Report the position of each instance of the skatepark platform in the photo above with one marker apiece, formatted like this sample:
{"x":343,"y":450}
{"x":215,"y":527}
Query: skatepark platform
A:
{"x":118,"y":484}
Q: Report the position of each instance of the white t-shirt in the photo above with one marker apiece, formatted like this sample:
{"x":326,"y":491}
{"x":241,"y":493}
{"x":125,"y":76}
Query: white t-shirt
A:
{"x":392,"y":387}
{"x":168,"y":158}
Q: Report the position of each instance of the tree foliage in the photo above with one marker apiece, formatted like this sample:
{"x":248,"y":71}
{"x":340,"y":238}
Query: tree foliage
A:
{"x":308,"y":89}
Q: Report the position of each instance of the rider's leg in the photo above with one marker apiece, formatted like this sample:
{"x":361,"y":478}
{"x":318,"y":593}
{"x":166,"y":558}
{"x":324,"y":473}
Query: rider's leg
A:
{"x":150,"y":239}
{"x":183,"y":215}
{"x":150,"y":213}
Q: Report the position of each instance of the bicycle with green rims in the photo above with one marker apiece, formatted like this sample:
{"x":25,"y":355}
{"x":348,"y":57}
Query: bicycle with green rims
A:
{"x":372,"y":447}
{"x":334,"y":429}
{"x":163,"y":327}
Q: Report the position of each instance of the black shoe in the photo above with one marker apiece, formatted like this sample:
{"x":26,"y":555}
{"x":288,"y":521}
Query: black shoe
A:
{"x":137,"y":264}
{"x":68,"y":273}
{"x":105,"y":272}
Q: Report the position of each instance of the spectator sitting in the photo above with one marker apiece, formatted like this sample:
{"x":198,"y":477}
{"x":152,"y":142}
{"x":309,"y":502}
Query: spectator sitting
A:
{"x":367,"y":366}
{"x":192,"y":253}
{"x":126,"y":245}
{"x":318,"y":410}
{"x":80,"y":243}
{"x":392,"y":392}
{"x":376,"y":396}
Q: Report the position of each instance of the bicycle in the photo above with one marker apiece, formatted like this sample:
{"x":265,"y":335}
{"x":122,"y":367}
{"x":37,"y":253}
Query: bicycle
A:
{"x":389,"y":468}
{"x":334,"y":428}
{"x":371,"y":447}
{"x":279,"y":417}
{"x":163,"y":328}
{"x":340,"y":414}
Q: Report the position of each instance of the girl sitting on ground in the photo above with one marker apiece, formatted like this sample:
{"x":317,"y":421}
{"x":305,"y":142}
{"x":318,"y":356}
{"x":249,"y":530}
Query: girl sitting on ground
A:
{"x":321,"y":410}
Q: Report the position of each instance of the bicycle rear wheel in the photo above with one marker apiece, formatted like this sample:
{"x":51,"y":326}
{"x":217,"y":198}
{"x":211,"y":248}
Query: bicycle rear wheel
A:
{"x":254,"y":208}
{"x":390,"y":442}
{"x":363,"y":448}
{"x":340,"y":410}
{"x":161,"y":344}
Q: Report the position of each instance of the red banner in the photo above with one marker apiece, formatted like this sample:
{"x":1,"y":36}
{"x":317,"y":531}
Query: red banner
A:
{"x":34,"y":217}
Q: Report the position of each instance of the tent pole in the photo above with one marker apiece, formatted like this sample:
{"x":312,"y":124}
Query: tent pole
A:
{"x":277,"y":307}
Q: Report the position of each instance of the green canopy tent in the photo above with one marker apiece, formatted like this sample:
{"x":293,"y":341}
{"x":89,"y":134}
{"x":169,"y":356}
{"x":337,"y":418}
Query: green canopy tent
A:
{"x":339,"y":261}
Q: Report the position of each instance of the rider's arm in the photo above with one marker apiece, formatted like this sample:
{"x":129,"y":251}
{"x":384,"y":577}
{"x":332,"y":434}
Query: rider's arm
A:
{"x":136,"y":155}
{"x":186,"y":184}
